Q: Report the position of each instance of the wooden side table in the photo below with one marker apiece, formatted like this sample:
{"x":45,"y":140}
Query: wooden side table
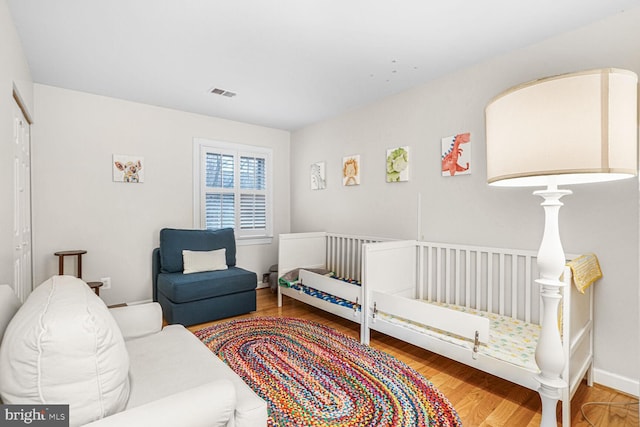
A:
{"x":63,"y":254}
{"x":95,"y":286}
{"x":77,"y":253}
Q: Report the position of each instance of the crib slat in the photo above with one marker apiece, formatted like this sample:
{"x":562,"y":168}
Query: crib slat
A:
{"x":353,"y":264}
{"x":340,"y":262}
{"x":342,"y":258}
{"x":514,"y":289}
{"x":361,"y":261}
{"x":348,"y":258}
{"x":331,"y":254}
{"x":337,"y":255}
{"x":489,"y":282}
{"x":443,"y":287}
{"x":429,"y":273}
{"x":458,"y":276}
{"x":527,"y":287}
{"x":344,"y":261}
{"x":348,"y":254}
{"x":438,"y":273}
{"x":448,"y":284}
{"x":478,"y":279}
{"x":467,"y":282}
{"x":357,"y":260}
{"x":441,"y":267}
{"x":501,"y":295}
{"x":421,"y":272}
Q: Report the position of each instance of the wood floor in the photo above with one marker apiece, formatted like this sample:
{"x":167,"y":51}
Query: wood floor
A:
{"x":480,"y":399}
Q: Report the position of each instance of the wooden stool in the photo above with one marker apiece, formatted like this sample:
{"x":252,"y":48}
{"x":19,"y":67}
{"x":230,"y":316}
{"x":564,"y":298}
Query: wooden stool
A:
{"x":78,"y":253}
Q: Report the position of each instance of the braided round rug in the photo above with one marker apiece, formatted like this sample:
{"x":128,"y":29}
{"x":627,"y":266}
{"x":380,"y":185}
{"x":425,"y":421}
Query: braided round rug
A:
{"x":312,"y":375}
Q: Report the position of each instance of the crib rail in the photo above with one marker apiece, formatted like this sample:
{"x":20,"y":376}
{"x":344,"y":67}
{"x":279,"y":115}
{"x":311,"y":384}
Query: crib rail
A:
{"x":344,"y":254}
{"x":494,"y":280}
{"x":340,"y":253}
{"x":487,"y":279}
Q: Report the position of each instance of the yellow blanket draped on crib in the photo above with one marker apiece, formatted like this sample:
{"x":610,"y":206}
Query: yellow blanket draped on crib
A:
{"x":585,"y":270}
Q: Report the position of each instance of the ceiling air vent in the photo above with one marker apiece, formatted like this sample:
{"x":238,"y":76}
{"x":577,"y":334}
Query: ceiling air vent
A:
{"x":227,"y":93}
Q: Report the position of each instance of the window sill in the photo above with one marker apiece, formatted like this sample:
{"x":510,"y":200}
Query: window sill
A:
{"x":247,"y":241}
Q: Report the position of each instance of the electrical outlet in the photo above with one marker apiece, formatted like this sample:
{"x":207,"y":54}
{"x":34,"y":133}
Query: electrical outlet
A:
{"x":106,"y":282}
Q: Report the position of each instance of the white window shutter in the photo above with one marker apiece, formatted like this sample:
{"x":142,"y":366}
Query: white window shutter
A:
{"x":219,"y":210}
{"x":253,"y":212}
{"x":234,"y":190}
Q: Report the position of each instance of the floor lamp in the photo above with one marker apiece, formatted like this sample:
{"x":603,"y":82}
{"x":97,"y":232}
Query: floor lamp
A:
{"x":568,"y":129}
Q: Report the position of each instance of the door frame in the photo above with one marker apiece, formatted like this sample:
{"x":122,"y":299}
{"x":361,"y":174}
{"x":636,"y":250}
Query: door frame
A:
{"x":24,"y":293}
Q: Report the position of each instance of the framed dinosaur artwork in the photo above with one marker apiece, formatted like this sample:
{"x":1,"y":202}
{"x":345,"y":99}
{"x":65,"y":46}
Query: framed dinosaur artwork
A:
{"x":456,"y":154}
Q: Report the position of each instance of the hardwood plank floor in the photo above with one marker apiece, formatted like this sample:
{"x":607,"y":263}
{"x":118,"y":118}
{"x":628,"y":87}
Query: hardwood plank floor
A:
{"x":480,"y":399}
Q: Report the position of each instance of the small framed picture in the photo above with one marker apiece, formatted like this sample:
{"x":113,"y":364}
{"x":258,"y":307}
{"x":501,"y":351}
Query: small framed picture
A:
{"x":318,"y":178}
{"x":351,"y":170}
{"x":397,"y":164}
{"x":128,"y":169}
{"x":456,"y":154}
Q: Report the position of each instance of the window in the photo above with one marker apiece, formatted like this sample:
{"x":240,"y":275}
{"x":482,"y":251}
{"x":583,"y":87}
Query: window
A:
{"x":232,"y":189}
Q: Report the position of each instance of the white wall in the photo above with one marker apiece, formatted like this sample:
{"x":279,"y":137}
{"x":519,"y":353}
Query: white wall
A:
{"x":602,"y":218}
{"x":14,"y":74}
{"x":77,"y":206}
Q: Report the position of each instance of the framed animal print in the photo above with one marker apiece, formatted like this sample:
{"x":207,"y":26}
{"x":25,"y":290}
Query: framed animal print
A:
{"x":351,"y":170}
{"x":318,"y":178}
{"x":129,"y":169}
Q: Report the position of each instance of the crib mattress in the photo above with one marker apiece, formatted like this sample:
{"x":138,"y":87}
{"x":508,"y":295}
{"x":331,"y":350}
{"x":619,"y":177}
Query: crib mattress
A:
{"x":510,"y":340}
{"x":295,"y":284}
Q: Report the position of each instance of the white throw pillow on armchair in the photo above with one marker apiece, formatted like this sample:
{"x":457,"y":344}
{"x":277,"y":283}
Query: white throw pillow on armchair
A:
{"x":63,"y":346}
{"x":200,"y":261}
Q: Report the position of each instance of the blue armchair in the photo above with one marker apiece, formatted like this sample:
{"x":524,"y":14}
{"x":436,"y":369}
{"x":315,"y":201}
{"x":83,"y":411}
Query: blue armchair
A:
{"x":203,"y":296}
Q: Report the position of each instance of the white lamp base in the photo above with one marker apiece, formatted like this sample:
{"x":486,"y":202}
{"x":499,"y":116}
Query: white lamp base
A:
{"x":549,"y":352}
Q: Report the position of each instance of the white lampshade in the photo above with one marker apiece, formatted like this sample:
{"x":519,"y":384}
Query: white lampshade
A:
{"x":568,"y":129}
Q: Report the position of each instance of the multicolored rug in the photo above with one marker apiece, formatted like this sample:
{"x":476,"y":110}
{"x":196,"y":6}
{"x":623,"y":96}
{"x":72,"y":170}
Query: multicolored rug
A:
{"x":312,"y":375}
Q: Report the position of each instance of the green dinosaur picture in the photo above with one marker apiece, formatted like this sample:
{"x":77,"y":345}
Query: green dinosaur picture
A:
{"x":398,"y":164}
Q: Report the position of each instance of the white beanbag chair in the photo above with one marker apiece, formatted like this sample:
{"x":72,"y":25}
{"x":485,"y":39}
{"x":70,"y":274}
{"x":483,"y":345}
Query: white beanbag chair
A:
{"x":63,"y":346}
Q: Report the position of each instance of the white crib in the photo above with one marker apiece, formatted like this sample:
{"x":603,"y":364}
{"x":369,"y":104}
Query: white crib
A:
{"x":472,"y":293}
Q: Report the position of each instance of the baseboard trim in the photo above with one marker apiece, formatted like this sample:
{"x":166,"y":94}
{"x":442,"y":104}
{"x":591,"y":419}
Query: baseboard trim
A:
{"x":144,"y":301}
{"x":617,"y":382}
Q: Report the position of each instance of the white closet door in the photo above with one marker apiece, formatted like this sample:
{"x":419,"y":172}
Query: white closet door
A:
{"x":21,"y":205}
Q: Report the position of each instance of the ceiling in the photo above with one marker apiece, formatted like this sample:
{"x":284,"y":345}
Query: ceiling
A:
{"x":289,"y":62}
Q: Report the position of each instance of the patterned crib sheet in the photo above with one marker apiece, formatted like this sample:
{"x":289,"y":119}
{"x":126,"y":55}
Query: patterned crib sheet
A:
{"x":295,"y":284}
{"x":510,"y":340}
